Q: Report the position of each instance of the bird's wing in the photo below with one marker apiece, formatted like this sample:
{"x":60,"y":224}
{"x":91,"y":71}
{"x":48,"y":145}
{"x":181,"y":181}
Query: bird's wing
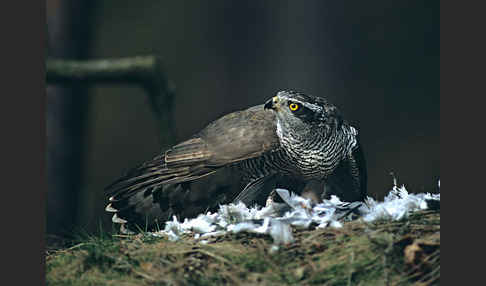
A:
{"x":233,"y":138}
{"x":240,"y":135}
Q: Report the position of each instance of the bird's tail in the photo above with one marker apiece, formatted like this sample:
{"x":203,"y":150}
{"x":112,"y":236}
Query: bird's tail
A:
{"x":148,"y":209}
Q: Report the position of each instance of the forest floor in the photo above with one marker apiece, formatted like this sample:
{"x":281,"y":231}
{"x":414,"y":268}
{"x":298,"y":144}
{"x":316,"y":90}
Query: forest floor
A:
{"x":384,"y":252}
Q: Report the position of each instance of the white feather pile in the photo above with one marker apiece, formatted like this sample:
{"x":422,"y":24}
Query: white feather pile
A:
{"x":277,"y":219}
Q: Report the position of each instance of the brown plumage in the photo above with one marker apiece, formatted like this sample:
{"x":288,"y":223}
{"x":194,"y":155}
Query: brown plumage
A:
{"x":235,"y":137}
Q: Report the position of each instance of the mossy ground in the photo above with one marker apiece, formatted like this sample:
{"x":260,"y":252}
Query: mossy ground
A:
{"x":405,"y":252}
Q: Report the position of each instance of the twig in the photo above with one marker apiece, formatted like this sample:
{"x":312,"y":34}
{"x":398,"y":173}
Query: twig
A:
{"x":144,"y":275}
{"x":70,"y":248}
{"x":215,"y":256}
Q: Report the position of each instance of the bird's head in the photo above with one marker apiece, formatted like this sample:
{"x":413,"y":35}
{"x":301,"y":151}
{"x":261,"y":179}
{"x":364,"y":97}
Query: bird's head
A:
{"x":300,"y":112}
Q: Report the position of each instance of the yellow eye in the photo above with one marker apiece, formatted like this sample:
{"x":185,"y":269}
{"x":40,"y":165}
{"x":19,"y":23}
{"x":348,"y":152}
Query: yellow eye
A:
{"x":294,"y":106}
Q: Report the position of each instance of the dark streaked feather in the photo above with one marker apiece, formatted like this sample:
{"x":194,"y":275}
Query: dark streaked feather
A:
{"x":260,"y":187}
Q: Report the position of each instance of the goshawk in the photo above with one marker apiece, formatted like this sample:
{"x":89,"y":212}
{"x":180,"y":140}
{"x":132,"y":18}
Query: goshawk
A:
{"x":293,"y":141}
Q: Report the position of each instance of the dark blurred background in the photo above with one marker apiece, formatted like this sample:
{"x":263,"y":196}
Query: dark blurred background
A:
{"x":376,"y":60}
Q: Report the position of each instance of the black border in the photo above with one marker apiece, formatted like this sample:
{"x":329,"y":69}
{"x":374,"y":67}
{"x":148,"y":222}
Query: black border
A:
{"x":23,"y":30}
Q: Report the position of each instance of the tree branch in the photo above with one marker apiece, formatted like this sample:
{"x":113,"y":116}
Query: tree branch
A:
{"x":145,"y":71}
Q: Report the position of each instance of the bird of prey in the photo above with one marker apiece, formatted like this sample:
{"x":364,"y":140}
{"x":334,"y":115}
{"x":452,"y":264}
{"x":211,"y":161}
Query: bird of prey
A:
{"x":294,"y":141}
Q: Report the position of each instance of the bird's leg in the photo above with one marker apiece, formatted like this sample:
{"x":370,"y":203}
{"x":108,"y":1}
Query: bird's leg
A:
{"x":313,"y":190}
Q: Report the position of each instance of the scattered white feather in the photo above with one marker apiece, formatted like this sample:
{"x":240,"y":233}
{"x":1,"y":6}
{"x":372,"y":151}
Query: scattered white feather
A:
{"x":396,"y":205}
{"x":277,"y":219}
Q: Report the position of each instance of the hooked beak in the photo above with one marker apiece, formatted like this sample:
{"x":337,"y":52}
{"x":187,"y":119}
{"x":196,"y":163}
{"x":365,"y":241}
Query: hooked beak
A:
{"x":272,"y":103}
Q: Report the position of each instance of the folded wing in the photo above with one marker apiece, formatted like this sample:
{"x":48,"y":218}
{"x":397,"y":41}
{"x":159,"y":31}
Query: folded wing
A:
{"x":231,"y":139}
